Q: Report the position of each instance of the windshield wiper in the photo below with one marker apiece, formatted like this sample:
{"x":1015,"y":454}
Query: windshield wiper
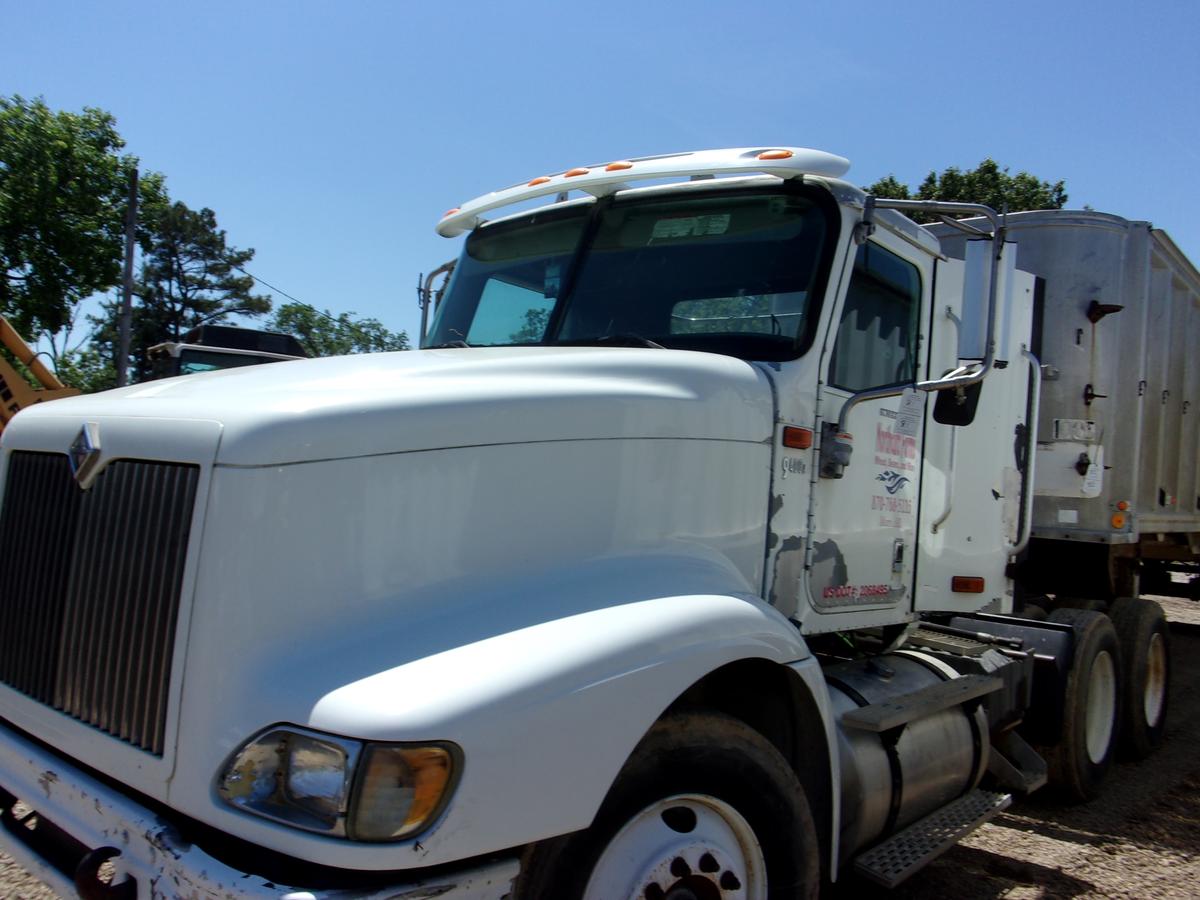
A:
{"x":625,"y":339}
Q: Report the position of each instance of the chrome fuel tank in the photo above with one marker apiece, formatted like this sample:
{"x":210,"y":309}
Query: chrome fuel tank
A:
{"x":890,"y":780}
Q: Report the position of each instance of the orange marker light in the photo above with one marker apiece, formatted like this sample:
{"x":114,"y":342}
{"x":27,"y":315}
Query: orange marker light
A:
{"x":775,"y":154}
{"x":541,"y":179}
{"x":966,"y":584}
{"x":1118,"y":520}
{"x":797,"y":438}
{"x":618,"y":166}
{"x":574,"y":172}
{"x":451,"y":212}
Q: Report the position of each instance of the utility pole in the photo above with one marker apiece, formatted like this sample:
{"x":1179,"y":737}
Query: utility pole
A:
{"x":126,"y":321}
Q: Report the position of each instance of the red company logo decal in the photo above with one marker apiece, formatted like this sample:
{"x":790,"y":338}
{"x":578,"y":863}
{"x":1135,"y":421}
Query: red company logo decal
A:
{"x":897,"y":451}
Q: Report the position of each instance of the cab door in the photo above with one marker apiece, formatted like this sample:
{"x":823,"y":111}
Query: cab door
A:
{"x":863,"y":527}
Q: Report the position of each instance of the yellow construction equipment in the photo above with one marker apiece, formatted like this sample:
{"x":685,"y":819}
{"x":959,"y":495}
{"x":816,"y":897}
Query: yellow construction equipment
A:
{"x":15,"y":392}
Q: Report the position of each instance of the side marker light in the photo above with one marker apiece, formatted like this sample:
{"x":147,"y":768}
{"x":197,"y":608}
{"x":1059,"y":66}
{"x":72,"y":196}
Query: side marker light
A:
{"x":967,"y":584}
{"x":797,"y":438}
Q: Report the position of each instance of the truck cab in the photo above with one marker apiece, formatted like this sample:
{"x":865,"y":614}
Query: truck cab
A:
{"x":674,"y":564}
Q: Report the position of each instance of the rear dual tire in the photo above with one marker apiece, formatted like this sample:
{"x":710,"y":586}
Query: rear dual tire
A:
{"x":1080,"y":760}
{"x":1145,"y":642}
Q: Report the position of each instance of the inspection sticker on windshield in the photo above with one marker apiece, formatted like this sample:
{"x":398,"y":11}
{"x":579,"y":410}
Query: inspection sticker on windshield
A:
{"x":910,"y":413}
{"x":690,"y":226}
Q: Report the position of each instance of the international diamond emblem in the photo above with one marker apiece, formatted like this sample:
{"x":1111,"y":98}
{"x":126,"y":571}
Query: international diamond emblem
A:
{"x":85,"y":453}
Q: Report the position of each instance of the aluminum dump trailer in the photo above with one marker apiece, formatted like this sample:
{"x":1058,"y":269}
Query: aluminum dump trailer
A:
{"x":1117,"y":329}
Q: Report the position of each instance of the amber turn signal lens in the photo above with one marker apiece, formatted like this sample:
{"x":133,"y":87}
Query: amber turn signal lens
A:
{"x":967,"y":584}
{"x":1118,"y":520}
{"x":797,"y":438}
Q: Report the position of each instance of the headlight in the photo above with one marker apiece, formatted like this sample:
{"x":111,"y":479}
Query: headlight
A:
{"x":338,"y":786}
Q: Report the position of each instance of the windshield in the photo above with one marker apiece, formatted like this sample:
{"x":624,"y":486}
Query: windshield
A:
{"x":728,"y":273}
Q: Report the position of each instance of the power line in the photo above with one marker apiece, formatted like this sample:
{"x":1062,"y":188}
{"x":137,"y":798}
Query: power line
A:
{"x":341,"y":323}
{"x":281,"y":291}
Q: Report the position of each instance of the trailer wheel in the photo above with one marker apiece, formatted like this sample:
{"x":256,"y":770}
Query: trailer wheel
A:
{"x":1080,"y":761}
{"x":1145,"y":673}
{"x":705,"y":808}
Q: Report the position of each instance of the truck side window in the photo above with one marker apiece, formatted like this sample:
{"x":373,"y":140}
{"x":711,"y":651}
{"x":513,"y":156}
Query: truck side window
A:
{"x":877,"y":337}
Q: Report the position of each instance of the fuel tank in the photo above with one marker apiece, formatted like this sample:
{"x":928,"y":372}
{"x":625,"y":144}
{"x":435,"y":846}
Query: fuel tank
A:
{"x":891,"y":779}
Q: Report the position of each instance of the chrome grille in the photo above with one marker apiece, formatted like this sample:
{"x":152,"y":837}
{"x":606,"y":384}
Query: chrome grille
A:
{"x":89,"y":589}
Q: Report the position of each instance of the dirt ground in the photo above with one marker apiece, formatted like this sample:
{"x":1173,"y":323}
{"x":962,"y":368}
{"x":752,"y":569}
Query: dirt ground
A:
{"x":1140,"y":840}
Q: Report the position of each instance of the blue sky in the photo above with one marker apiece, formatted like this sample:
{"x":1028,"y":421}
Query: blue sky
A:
{"x":331,"y":137}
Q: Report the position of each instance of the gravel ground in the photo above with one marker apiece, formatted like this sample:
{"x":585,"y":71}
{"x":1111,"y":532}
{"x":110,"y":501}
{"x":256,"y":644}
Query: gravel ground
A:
{"x":1140,"y":840}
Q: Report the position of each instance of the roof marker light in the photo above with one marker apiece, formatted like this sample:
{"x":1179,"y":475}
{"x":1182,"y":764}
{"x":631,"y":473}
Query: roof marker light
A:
{"x":541,"y":179}
{"x":450,"y":212}
{"x":619,"y":166}
{"x":571,"y":173}
{"x":775,"y":154}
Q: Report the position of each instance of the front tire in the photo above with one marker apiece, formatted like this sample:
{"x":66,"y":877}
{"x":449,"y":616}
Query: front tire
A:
{"x":705,"y":808}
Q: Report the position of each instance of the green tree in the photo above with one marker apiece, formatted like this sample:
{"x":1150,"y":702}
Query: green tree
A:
{"x":190,"y":276}
{"x":324,"y":334}
{"x":988,"y":183}
{"x":891,"y":188}
{"x":63,"y":194}
{"x":87,"y":368}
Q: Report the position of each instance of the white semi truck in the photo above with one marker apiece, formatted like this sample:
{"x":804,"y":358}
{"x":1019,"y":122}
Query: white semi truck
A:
{"x":680,"y":563}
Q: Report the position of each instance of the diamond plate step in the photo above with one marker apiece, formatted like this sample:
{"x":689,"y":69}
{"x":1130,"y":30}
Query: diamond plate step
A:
{"x":926,"y":839}
{"x":952,"y":643}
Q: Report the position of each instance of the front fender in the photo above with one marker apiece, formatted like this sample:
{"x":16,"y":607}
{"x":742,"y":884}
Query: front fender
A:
{"x":546,"y":679}
{"x":546,"y":715}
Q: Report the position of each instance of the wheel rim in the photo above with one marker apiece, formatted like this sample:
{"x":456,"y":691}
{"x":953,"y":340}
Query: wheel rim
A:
{"x":1101,"y":706}
{"x":1155,"y":695}
{"x":686,"y":847}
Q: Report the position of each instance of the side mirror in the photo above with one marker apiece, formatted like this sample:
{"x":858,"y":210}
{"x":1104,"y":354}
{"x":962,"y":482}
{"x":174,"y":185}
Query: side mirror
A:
{"x":957,"y":406}
{"x":977,"y":273}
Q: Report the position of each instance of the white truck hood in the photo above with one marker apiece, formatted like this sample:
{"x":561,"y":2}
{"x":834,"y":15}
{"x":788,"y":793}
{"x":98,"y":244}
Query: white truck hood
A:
{"x":350,"y":406}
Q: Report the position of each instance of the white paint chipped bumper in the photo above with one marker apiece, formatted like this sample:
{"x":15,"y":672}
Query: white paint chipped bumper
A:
{"x":153,"y":855}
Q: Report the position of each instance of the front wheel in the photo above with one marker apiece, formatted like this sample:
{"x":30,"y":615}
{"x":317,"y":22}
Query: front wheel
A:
{"x":705,"y":809}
